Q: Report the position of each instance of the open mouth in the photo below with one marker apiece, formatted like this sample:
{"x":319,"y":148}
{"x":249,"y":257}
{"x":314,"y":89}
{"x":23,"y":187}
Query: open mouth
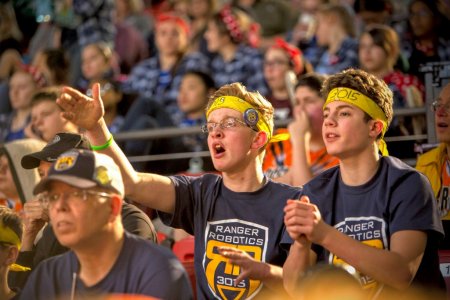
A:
{"x":219,"y":149}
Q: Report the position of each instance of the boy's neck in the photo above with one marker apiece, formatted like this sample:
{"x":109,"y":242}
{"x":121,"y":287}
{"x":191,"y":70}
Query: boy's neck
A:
{"x":244,"y":181}
{"x":359,"y":170}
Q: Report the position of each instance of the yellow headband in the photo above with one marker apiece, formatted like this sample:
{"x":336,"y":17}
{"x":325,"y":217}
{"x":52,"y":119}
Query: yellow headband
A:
{"x":8,"y":236}
{"x":250,"y":115}
{"x":365,"y":104}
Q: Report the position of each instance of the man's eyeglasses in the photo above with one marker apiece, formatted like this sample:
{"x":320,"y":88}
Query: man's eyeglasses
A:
{"x":437,"y":105}
{"x":226,"y":123}
{"x":72,"y":196}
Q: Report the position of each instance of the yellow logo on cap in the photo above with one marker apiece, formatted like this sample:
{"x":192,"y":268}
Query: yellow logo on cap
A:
{"x":65,"y":162}
{"x":102,"y":175}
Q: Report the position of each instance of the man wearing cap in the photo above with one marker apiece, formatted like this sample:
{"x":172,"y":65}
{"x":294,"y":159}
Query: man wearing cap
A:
{"x":84,"y":192}
{"x":36,"y":214}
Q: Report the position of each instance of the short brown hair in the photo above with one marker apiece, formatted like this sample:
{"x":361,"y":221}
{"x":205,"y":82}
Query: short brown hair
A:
{"x":46,"y":94}
{"x":365,"y":83}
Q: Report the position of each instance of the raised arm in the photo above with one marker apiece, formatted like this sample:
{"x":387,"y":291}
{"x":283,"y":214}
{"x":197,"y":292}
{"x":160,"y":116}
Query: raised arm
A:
{"x":152,"y":190}
{"x":300,"y":133}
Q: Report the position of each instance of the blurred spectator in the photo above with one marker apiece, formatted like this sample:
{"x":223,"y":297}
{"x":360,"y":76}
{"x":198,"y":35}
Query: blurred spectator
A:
{"x":200,"y":13}
{"x":231,"y":34}
{"x":336,"y":32}
{"x":11,"y":229}
{"x":297,"y":160}
{"x":370,"y":12}
{"x":157,"y":78}
{"x":130,"y":46}
{"x":51,"y":66}
{"x":97,"y":63}
{"x":195,"y":89}
{"x":428,"y":39}
{"x":132,"y":13}
{"x":46,"y":118}
{"x":16,"y":183}
{"x":283,"y":63}
{"x":10,"y":36}
{"x":275,"y":17}
{"x":378,"y":52}
{"x":21,"y":89}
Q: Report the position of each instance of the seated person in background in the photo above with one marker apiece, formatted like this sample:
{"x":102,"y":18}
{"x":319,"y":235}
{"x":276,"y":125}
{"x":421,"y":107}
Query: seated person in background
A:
{"x":10,"y":240}
{"x":36,"y":215}
{"x":84,"y":192}
{"x":297,"y":160}
{"x":435,"y":163}
{"x":373,"y":215}
{"x":195,"y":89}
{"x":16,"y":184}
{"x":336,"y":32}
{"x":46,"y":119}
{"x":378,"y":53}
{"x":12,"y":124}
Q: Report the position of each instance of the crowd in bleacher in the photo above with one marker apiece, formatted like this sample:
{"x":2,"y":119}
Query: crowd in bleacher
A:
{"x":166,"y":63}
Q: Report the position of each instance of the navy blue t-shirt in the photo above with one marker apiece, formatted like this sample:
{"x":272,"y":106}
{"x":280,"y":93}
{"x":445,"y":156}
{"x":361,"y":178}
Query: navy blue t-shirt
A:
{"x":142,"y":267}
{"x":396,"y":198}
{"x":217,"y":216}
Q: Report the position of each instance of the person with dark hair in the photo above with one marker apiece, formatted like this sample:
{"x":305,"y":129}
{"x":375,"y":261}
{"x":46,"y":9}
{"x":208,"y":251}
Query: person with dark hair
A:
{"x":36,"y":215}
{"x":373,"y":11}
{"x":11,"y":229}
{"x":52,"y":65}
{"x":303,"y":156}
{"x":46,"y":119}
{"x":232,"y":36}
{"x":84,"y":192}
{"x":373,"y":214}
{"x":428,"y":39}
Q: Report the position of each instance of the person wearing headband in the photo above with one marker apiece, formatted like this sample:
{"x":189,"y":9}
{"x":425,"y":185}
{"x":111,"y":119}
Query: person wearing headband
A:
{"x":11,"y":229}
{"x":236,"y":218}
{"x":372,"y":215}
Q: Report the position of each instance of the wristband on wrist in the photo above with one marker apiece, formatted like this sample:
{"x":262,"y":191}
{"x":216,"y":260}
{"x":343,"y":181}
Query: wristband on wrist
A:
{"x":104,"y":146}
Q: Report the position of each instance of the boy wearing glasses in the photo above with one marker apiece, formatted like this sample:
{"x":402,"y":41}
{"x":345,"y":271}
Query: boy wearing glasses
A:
{"x":11,"y":229}
{"x":372,"y":215}
{"x":236,"y":218}
{"x":84,"y":192}
{"x":435,"y":164}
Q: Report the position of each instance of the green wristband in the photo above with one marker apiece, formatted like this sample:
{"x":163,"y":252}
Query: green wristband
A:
{"x":104,"y":146}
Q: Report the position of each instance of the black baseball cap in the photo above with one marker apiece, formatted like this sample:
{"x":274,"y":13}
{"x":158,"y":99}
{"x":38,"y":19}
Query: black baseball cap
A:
{"x":84,"y":169}
{"x":61,"y":143}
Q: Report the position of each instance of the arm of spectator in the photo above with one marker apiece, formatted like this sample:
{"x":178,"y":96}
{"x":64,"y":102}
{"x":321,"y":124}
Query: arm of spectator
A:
{"x":152,"y":190}
{"x":395,"y":267}
{"x":300,"y":257}
{"x":270,"y":275}
{"x":35,"y":218}
{"x":299,"y":129}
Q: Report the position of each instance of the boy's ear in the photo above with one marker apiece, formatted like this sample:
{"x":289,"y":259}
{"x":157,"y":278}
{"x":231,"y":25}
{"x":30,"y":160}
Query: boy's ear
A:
{"x":259,"y":140}
{"x":13,"y":253}
{"x":376,"y":128}
{"x":116,"y":206}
